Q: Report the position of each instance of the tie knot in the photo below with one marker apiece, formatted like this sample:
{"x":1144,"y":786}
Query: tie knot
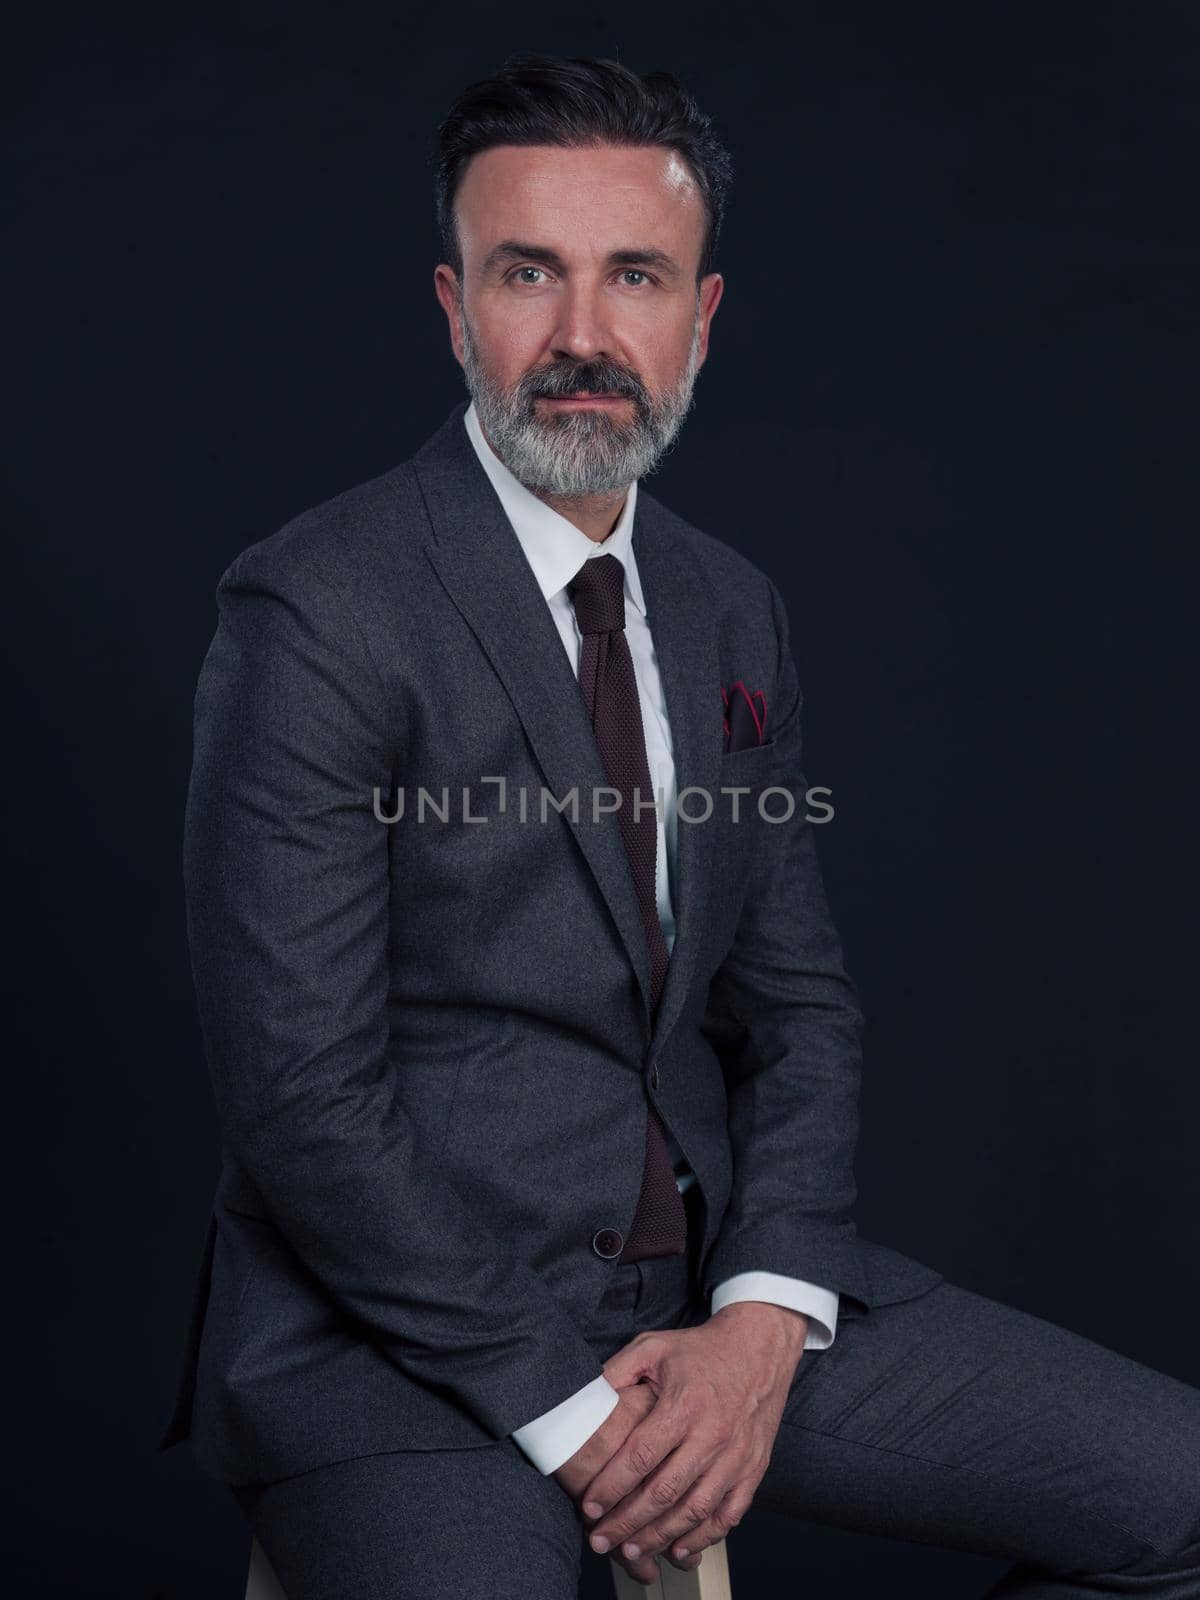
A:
{"x":598,"y":594}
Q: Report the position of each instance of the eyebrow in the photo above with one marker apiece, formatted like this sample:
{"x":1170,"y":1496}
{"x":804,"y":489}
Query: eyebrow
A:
{"x":518,"y":250}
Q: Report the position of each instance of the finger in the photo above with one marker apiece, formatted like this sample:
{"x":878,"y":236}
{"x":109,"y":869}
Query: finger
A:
{"x":660,"y":1496}
{"x":650,"y":1442}
{"x":633,"y":1361}
{"x":695,"y":1506}
{"x":687,"y":1549}
{"x":645,"y":1569}
{"x":634,"y":1412}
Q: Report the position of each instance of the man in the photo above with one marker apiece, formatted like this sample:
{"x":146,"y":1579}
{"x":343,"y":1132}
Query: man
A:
{"x":538,"y":1117}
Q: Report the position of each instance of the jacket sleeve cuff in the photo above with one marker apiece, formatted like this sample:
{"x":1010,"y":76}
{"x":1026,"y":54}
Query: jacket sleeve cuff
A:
{"x":819,"y":1305}
{"x":554,"y":1437}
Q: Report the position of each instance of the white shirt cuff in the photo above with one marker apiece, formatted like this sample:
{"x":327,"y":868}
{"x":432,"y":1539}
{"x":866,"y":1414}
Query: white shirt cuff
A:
{"x":819,"y":1305}
{"x":554,"y":1437}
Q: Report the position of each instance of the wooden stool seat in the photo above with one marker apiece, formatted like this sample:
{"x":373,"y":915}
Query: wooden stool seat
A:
{"x":710,"y":1580}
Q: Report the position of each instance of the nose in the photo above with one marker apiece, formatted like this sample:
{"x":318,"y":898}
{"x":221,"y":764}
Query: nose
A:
{"x":583,"y":331}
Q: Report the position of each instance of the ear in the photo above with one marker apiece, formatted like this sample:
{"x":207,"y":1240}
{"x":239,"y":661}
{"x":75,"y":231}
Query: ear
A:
{"x":448,"y":290}
{"x":712,"y":287}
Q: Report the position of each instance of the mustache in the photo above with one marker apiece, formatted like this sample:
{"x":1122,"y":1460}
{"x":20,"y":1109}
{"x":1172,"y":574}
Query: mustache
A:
{"x":600,"y":377}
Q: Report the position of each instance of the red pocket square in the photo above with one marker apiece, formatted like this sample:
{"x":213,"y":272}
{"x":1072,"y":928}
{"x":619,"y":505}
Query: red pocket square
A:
{"x":745,"y":716}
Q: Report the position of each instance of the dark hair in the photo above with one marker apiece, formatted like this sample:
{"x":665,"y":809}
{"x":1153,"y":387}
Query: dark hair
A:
{"x":577,"y":101}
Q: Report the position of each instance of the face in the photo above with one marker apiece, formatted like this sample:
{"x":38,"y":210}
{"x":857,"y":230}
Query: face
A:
{"x":579,"y":322}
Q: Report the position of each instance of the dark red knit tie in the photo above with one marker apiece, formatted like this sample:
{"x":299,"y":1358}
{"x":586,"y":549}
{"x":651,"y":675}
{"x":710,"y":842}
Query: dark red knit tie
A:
{"x":610,"y":693}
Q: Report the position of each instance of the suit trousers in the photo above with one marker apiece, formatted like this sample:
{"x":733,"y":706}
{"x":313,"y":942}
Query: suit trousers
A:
{"x":949,"y":1419}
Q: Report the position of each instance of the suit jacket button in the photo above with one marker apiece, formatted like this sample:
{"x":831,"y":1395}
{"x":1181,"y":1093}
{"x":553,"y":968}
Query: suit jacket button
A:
{"x":607,"y":1242}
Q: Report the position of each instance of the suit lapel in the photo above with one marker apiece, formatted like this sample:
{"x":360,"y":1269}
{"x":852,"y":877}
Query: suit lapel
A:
{"x":479,"y":560}
{"x":681,"y":613}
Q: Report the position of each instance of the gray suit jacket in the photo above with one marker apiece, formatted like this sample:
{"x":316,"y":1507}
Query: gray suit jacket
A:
{"x":430,"y":1042}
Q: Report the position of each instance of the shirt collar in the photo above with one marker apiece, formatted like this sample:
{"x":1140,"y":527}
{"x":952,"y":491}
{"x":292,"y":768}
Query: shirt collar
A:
{"x":554,"y":547}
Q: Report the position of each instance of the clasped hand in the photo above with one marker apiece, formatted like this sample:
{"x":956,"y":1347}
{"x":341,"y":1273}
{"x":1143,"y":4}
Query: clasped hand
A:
{"x":677,"y":1462}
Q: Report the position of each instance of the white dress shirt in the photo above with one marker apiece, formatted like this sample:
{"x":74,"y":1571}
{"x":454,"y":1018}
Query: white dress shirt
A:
{"x":555,"y":550}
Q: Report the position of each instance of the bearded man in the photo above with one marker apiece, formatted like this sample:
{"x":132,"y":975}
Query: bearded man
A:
{"x":538,"y":1111}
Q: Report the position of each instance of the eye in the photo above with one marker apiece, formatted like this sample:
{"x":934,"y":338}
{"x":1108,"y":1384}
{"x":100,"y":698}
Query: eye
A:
{"x":517,"y":275}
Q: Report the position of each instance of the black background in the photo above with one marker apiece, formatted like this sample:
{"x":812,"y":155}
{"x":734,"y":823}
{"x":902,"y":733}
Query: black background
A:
{"x":950,"y":405}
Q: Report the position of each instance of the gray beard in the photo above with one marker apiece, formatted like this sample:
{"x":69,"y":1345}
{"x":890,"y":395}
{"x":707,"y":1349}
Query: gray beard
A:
{"x":583,"y":452}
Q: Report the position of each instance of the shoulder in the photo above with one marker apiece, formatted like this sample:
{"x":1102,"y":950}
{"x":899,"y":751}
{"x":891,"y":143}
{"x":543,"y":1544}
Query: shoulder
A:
{"x":343,"y":543}
{"x":734,"y":579}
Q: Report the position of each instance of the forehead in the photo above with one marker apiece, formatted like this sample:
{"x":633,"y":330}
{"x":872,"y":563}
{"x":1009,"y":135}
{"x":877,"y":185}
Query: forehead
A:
{"x":579,"y":201}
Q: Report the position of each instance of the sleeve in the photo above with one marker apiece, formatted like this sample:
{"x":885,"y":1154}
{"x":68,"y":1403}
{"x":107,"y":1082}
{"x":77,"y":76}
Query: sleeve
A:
{"x":286,"y":877}
{"x":819,"y":1305}
{"x":784,"y":1018}
{"x":554,"y":1437}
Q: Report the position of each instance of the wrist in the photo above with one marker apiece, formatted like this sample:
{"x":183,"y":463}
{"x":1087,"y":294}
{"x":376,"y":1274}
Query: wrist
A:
{"x":789,"y":1327}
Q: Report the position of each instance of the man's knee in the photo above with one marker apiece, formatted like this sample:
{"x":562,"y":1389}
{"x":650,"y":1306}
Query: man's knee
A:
{"x":1160,"y":1497}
